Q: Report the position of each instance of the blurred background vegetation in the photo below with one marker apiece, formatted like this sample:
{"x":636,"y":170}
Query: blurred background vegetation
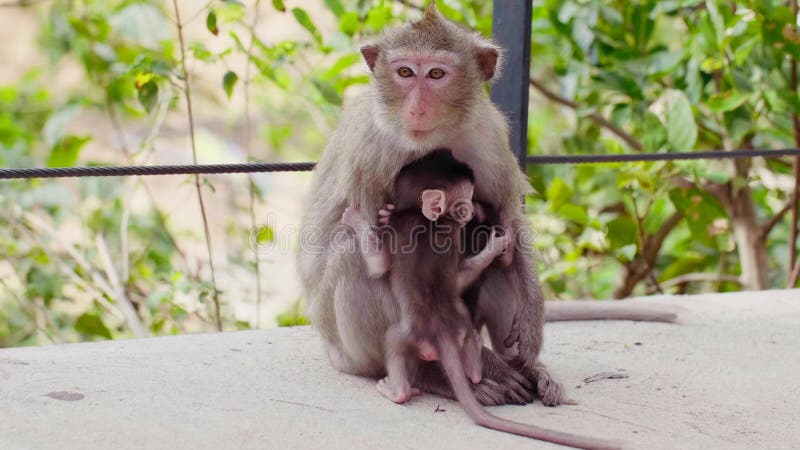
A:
{"x":90,"y":82}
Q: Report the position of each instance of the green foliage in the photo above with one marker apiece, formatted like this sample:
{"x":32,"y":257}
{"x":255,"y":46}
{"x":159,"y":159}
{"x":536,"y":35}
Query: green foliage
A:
{"x":672,"y":76}
{"x":293,"y":316}
{"x":664,"y":76}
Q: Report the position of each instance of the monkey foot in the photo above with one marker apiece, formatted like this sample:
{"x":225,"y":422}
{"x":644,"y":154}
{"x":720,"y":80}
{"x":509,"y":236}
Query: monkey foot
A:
{"x":398,"y":395}
{"x":549,"y":391}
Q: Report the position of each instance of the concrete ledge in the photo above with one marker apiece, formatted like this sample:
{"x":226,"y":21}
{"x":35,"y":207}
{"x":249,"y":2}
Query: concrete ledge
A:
{"x":726,"y":377}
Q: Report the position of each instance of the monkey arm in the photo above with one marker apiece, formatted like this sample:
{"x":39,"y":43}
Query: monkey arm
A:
{"x":471,"y":268}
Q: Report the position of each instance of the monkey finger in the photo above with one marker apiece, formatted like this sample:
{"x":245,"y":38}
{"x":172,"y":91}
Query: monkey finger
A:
{"x":489,"y":393}
{"x":517,"y":374}
{"x":513,"y":334}
{"x":518,"y":398}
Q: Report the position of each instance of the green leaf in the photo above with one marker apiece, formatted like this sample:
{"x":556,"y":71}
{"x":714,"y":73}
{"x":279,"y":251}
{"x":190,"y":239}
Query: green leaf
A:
{"x":211,"y":22}
{"x":66,"y":151}
{"x":349,"y":23}
{"x":663,"y":62}
{"x":92,"y":325}
{"x":328,"y":92}
{"x":341,"y":64}
{"x":264,"y":235}
{"x":148,"y":94}
{"x":336,"y":7}
{"x":574,"y":213}
{"x":681,"y":127}
{"x":726,"y":101}
{"x":699,"y":209}
{"x":230,"y":11}
{"x":558,"y":193}
{"x":54,"y":127}
{"x":229,"y":81}
{"x":621,"y":232}
{"x":278,"y":4}
{"x":305,"y":21}
{"x":655,"y":135}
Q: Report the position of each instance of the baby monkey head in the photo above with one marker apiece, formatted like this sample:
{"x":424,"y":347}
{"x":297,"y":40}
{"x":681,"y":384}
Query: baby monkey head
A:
{"x":439,"y":185}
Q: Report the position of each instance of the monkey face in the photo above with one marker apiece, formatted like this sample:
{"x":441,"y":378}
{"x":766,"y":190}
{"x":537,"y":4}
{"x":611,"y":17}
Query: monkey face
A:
{"x":428,"y":75}
{"x":423,"y":81}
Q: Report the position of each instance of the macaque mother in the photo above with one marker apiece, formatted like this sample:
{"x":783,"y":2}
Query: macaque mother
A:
{"x":427,"y":92}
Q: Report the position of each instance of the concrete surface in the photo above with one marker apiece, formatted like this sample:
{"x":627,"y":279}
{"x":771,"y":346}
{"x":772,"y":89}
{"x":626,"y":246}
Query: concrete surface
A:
{"x":727,"y":377}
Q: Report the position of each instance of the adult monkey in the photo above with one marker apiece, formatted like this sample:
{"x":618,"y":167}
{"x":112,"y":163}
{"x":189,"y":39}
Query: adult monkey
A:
{"x":426,"y":93}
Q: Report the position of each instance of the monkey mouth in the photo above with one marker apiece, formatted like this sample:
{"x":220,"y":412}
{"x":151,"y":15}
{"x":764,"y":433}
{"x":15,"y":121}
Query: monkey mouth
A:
{"x":420,"y":133}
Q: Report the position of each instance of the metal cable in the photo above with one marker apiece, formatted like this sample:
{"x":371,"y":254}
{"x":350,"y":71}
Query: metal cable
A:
{"x":639,"y":157}
{"x":115,"y":171}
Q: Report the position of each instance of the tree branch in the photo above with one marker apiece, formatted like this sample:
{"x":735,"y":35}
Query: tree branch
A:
{"x":796,"y":165}
{"x":594,"y":117}
{"x":249,"y":149}
{"x":188,"y":93}
{"x":769,"y":225}
{"x":637,"y":270}
{"x":123,"y":303}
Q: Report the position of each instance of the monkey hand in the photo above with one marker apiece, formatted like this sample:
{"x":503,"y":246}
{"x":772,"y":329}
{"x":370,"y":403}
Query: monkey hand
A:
{"x":498,"y":245}
{"x":354,"y":219}
{"x":385,"y":214}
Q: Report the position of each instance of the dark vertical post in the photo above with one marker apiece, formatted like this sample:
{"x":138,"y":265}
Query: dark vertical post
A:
{"x":511,"y":28}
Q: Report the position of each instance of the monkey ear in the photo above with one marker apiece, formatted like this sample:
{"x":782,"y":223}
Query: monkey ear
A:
{"x":433,"y":201}
{"x":370,"y":53}
{"x":487,"y":58}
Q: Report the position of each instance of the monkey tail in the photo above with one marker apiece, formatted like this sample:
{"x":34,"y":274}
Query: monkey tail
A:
{"x":450,"y":358}
{"x":592,"y":310}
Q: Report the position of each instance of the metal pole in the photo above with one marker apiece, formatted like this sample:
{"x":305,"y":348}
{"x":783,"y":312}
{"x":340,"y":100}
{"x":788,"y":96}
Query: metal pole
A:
{"x":511,"y":28}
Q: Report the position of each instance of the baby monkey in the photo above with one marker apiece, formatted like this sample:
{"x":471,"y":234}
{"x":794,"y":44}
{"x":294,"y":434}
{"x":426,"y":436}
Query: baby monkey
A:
{"x":421,"y":242}
{"x":420,"y":248}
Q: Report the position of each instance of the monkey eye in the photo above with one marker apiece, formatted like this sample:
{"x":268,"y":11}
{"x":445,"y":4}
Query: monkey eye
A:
{"x":436,"y":74}
{"x":405,"y":72}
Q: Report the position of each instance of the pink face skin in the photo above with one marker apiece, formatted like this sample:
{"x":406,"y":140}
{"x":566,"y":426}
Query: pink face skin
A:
{"x":423,"y":79}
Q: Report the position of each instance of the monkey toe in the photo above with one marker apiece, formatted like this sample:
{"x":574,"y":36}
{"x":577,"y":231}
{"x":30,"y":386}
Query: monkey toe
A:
{"x":550,"y":392}
{"x":397,"y":395}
